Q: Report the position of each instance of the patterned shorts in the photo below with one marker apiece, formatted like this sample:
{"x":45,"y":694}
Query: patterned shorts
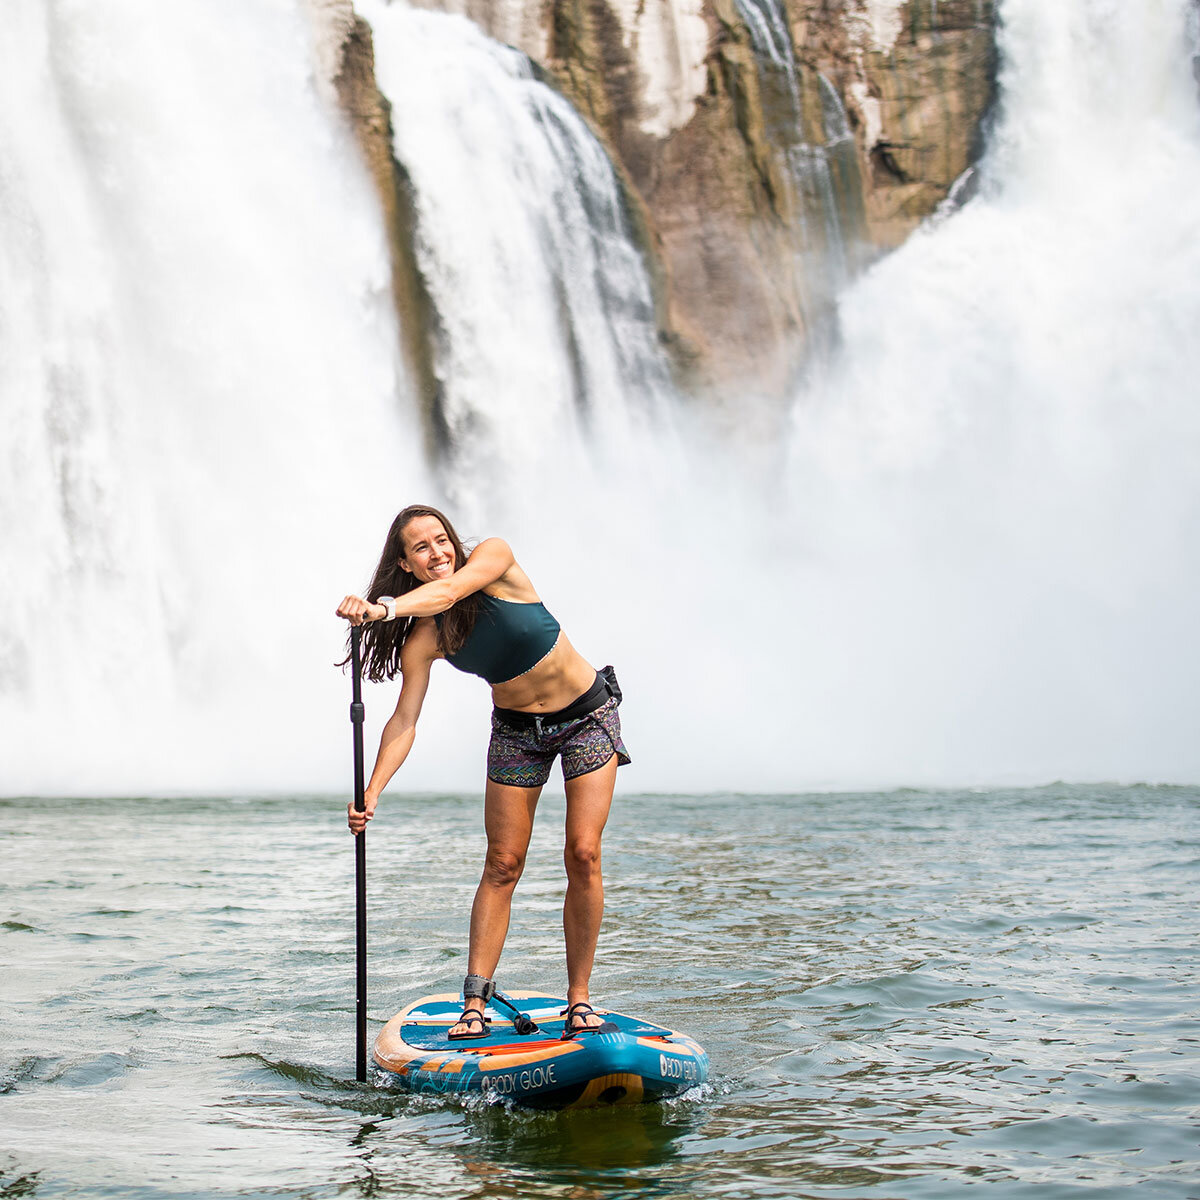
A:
{"x":521,"y":755}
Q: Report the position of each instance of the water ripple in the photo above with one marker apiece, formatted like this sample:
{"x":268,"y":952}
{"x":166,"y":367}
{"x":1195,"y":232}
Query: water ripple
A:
{"x":902,"y":995}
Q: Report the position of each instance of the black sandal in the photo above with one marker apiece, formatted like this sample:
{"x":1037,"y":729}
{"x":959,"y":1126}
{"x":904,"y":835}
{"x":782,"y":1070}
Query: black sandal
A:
{"x":577,"y":1015}
{"x":472,"y":1018}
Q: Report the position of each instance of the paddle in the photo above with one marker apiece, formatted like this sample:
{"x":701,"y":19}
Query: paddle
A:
{"x":360,"y":858}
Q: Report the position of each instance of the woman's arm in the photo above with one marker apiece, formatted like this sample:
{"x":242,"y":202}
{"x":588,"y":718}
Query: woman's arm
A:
{"x":488,"y":562}
{"x":416,"y":659}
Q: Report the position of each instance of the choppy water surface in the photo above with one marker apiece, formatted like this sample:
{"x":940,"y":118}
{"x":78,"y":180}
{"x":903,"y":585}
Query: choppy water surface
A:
{"x":901,"y":994}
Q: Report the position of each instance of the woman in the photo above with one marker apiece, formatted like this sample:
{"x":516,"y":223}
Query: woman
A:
{"x":429,"y":599}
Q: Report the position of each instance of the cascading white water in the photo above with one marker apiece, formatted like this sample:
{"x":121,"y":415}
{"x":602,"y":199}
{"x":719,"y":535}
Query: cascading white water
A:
{"x":546,"y":335}
{"x":973,"y":563}
{"x":995,"y":481}
{"x":771,"y":37}
{"x":199,"y":391}
{"x":820,"y":177}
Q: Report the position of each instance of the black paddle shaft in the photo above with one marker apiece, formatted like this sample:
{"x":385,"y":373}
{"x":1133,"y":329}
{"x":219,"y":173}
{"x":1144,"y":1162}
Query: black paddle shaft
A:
{"x":360,"y":859}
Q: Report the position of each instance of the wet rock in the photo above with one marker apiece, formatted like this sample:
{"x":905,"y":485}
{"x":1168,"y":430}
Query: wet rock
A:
{"x":770,"y":148}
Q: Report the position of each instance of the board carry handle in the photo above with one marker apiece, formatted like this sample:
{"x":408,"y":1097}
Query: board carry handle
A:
{"x":357,"y":715}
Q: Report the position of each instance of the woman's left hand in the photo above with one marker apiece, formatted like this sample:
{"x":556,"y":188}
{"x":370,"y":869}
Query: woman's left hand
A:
{"x":358,"y":611}
{"x":358,"y":820}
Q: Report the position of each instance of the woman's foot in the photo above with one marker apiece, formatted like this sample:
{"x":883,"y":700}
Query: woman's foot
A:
{"x":476,"y":992}
{"x":581,"y":1017}
{"x":472,"y":1024}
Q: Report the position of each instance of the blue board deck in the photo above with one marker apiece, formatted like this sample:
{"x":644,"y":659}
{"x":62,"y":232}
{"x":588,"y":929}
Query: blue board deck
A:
{"x":632,"y":1061}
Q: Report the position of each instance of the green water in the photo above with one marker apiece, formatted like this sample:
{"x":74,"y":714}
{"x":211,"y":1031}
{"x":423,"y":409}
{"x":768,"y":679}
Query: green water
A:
{"x":902,"y":995}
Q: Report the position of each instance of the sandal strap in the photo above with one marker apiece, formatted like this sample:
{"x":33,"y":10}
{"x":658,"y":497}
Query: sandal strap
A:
{"x":577,"y":1015}
{"x":570,"y":1009}
{"x":476,"y":1026}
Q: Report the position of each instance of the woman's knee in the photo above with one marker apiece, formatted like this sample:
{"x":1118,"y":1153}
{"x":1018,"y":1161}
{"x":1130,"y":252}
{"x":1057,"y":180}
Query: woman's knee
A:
{"x":582,"y":858}
{"x":502,"y":868}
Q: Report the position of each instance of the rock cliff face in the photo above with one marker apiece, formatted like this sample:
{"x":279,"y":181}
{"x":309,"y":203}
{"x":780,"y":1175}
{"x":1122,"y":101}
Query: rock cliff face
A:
{"x":919,"y":78}
{"x":773,"y":147}
{"x":345,"y":70}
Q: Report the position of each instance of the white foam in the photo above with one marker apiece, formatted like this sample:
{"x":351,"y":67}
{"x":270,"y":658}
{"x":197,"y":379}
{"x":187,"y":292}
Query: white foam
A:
{"x":196,"y":334}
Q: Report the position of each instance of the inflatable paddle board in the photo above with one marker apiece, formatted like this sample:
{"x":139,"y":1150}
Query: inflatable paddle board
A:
{"x":625,"y":1062}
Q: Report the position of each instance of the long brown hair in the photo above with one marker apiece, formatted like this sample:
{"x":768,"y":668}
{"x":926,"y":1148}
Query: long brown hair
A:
{"x":382,"y":641}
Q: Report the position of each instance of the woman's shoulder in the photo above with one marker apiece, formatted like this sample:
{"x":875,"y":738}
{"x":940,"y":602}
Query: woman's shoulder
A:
{"x":492,"y":548}
{"x":501,"y":576}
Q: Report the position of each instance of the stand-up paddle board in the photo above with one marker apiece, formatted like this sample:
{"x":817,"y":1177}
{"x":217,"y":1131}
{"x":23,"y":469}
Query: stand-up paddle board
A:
{"x":624,"y":1062}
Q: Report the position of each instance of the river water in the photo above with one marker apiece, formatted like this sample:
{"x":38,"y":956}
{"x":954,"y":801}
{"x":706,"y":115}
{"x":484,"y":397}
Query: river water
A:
{"x":901,"y":993}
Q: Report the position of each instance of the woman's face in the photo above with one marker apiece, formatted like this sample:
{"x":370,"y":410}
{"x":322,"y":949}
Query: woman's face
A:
{"x":428,"y":550}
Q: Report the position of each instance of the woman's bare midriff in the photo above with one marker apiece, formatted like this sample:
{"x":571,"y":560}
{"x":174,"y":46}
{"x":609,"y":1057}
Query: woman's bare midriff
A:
{"x":561,"y":677}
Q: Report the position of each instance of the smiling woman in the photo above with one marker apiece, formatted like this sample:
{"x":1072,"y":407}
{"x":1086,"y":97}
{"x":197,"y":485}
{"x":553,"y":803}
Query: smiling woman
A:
{"x":428,"y":600}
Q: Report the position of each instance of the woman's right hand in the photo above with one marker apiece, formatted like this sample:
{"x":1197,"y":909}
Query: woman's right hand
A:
{"x":358,"y":820}
{"x":358,"y":611}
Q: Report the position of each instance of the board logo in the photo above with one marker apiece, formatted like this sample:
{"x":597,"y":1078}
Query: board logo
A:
{"x":676,"y":1068}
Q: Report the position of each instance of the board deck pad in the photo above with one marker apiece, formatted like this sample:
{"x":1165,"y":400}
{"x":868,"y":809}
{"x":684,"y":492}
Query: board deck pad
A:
{"x":632,"y":1060}
{"x":421,"y":1032}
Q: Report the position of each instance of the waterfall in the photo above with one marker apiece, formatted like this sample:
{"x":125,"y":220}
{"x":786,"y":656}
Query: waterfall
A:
{"x":972,"y":560}
{"x":771,"y":37}
{"x":996,"y":476}
{"x":199,"y":387}
{"x":809,"y":133}
{"x":546,"y":339}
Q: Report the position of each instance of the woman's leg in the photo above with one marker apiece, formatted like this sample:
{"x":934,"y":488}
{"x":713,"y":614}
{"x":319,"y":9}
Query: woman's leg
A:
{"x":508,"y":822}
{"x":589,"y":797}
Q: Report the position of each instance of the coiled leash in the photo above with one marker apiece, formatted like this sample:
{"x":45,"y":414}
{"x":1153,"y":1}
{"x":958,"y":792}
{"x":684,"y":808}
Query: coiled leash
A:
{"x":478,"y":987}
